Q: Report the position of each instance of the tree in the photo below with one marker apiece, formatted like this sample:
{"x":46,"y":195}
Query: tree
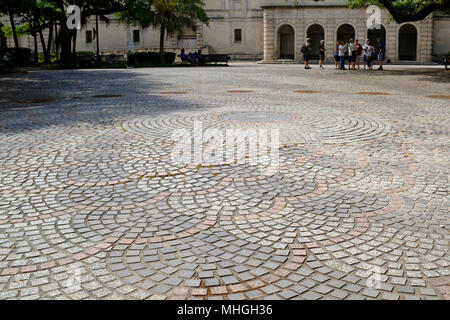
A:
{"x":13,"y":8}
{"x":171,"y":17}
{"x":3,"y":44}
{"x":65,"y":36}
{"x":405,"y":10}
{"x":41,"y":15}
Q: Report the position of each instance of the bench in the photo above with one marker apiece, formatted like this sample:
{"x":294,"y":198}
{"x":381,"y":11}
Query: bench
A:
{"x":84,"y":61}
{"x":87,"y":60}
{"x":446,"y":62}
{"x":113,"y":59}
{"x":216,"y":58}
{"x":184,"y":62}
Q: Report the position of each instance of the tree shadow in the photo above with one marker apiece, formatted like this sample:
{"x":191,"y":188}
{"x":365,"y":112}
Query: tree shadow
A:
{"x":42,"y":99}
{"x":433,"y":75}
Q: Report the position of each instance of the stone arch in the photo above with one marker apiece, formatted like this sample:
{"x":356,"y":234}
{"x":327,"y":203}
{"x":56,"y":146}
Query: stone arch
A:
{"x":345,"y":31}
{"x":285,"y":41}
{"x":408,"y":35}
{"x":316,"y":32}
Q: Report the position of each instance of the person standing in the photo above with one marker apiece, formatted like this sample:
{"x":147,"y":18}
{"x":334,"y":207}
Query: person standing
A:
{"x":306,"y":50}
{"x":380,"y":54}
{"x":347,"y":54}
{"x":322,"y":52}
{"x":359,"y":51}
{"x":336,"y":54}
{"x":369,"y":53}
{"x":365,"y":46}
{"x":342,"y":53}
{"x":352,"y":54}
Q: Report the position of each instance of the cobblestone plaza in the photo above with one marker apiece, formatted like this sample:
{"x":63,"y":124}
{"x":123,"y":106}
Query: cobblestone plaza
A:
{"x":92,"y":205}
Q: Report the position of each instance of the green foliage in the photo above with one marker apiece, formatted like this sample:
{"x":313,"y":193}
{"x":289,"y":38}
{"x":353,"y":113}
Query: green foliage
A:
{"x":406,"y":5}
{"x":53,"y":58}
{"x":406,"y":10}
{"x":21,"y":30}
{"x":172,"y":15}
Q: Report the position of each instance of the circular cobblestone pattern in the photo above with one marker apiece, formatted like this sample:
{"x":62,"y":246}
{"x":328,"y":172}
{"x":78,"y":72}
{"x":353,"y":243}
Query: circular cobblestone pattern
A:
{"x":257,"y":116}
{"x":94,"y":205}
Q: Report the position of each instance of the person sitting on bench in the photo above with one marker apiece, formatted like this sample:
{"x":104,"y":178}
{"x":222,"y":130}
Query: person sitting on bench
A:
{"x":184,"y":57}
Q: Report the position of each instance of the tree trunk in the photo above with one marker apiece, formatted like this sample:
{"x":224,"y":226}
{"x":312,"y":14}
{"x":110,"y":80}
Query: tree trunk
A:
{"x":36,"y":54}
{"x":161,"y":43}
{"x":65,"y":41}
{"x":49,"y":41}
{"x":74,"y":47}
{"x":44,"y":50}
{"x":96,"y":38}
{"x":56,"y":41}
{"x":13,"y":26}
{"x":3,"y":43}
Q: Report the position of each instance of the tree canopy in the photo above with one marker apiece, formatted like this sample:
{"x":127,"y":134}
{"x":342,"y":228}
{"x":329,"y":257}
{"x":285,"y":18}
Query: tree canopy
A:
{"x":405,"y":10}
{"x":171,"y":17}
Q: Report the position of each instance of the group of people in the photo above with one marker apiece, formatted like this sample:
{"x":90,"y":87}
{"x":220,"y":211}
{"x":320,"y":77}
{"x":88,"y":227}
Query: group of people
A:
{"x":350,"y":52}
{"x":194,"y":59}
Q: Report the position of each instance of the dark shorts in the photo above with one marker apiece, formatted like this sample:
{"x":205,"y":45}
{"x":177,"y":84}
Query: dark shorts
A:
{"x":336,"y":58}
{"x":305,"y":57}
{"x":322,"y":56}
{"x":352,"y":58}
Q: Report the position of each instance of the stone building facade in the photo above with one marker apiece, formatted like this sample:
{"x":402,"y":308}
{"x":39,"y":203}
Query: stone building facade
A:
{"x":332,"y":21}
{"x":270,"y":30}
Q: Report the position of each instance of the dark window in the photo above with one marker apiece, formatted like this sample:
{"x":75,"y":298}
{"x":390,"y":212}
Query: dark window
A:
{"x":136,"y":36}
{"x":237,"y":35}
{"x":88,"y":36}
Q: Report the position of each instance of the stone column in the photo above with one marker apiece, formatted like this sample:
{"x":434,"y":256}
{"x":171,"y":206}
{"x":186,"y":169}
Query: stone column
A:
{"x":300,"y":34}
{"x":361,"y":29}
{"x":391,"y":40}
{"x":268,"y":37}
{"x":199,"y":35}
{"x":330,"y":25}
{"x":129,"y":36}
{"x":425,"y":41}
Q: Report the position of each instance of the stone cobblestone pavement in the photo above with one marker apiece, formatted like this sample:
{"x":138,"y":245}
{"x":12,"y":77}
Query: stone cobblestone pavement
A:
{"x":93,"y":207}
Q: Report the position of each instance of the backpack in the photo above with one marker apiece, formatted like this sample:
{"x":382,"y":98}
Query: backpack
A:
{"x":358,"y":49}
{"x":303,"y":50}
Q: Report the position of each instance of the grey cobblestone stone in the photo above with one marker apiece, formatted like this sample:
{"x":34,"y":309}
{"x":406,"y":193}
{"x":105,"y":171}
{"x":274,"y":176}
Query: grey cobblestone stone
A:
{"x":92,"y":205}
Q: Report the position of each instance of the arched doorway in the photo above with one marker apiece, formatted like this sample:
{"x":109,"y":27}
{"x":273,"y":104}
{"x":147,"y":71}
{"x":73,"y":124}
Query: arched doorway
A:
{"x":315,"y":33}
{"x":286,"y":47}
{"x":374,"y":34}
{"x":345,"y":32}
{"x":407,"y":43}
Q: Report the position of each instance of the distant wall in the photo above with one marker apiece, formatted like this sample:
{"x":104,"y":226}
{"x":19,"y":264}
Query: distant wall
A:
{"x":441,"y":41}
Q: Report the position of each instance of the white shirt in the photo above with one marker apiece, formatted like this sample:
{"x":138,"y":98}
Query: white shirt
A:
{"x":352,"y":47}
{"x":367,"y":49}
{"x":342,"y":49}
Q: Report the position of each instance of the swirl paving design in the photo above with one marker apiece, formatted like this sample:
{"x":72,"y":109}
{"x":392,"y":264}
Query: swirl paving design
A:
{"x":93,"y":205}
